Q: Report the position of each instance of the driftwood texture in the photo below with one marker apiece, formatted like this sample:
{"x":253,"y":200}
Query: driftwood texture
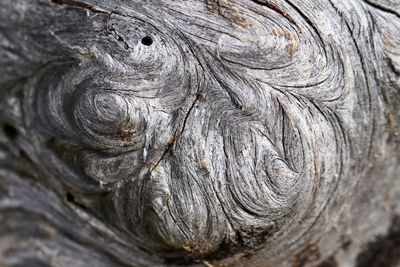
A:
{"x":199,"y":132}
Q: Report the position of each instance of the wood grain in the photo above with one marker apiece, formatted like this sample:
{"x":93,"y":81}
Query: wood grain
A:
{"x":202,"y":133}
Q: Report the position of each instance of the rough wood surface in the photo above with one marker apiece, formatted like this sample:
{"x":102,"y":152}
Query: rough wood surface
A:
{"x":199,"y":132}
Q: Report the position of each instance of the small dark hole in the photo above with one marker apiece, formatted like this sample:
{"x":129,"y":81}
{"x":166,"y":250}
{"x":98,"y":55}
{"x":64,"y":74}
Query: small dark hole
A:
{"x":147,"y":41}
{"x":10,"y":131}
{"x":70,"y":197}
{"x":51,"y":143}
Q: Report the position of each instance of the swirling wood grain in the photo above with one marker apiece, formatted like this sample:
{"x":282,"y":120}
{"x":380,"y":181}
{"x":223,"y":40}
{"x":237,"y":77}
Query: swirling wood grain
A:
{"x":224,"y":132}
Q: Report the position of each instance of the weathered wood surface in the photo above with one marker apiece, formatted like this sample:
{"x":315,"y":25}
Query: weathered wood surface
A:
{"x":199,"y":132}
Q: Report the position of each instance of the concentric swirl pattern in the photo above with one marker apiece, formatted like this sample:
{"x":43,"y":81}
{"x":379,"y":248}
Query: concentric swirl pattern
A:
{"x":207,"y":129}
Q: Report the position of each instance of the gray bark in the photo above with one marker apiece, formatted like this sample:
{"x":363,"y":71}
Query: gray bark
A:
{"x":199,"y":132}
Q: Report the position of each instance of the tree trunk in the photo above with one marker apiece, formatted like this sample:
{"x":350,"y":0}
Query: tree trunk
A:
{"x":200,"y":132}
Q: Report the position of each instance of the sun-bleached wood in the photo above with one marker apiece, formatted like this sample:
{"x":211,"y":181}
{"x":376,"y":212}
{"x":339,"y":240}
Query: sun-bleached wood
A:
{"x":197,"y":132}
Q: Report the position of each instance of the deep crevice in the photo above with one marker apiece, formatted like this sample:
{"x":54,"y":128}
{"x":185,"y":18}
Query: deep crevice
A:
{"x":382,"y":8}
{"x":70,"y":197}
{"x":178,"y":135}
{"x":10,"y":131}
{"x":72,"y":3}
{"x":309,"y":22}
{"x":274,"y":8}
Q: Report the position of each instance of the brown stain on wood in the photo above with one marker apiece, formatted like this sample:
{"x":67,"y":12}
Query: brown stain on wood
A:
{"x":390,"y":126}
{"x":226,"y":10}
{"x":309,"y":254}
{"x":289,"y":37}
{"x":204,"y":167}
{"x":240,"y":260}
{"x":171,"y":140}
{"x":128,"y":132}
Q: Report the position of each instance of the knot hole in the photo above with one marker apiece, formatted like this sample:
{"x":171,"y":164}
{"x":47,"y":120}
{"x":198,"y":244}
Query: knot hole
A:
{"x":147,"y":41}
